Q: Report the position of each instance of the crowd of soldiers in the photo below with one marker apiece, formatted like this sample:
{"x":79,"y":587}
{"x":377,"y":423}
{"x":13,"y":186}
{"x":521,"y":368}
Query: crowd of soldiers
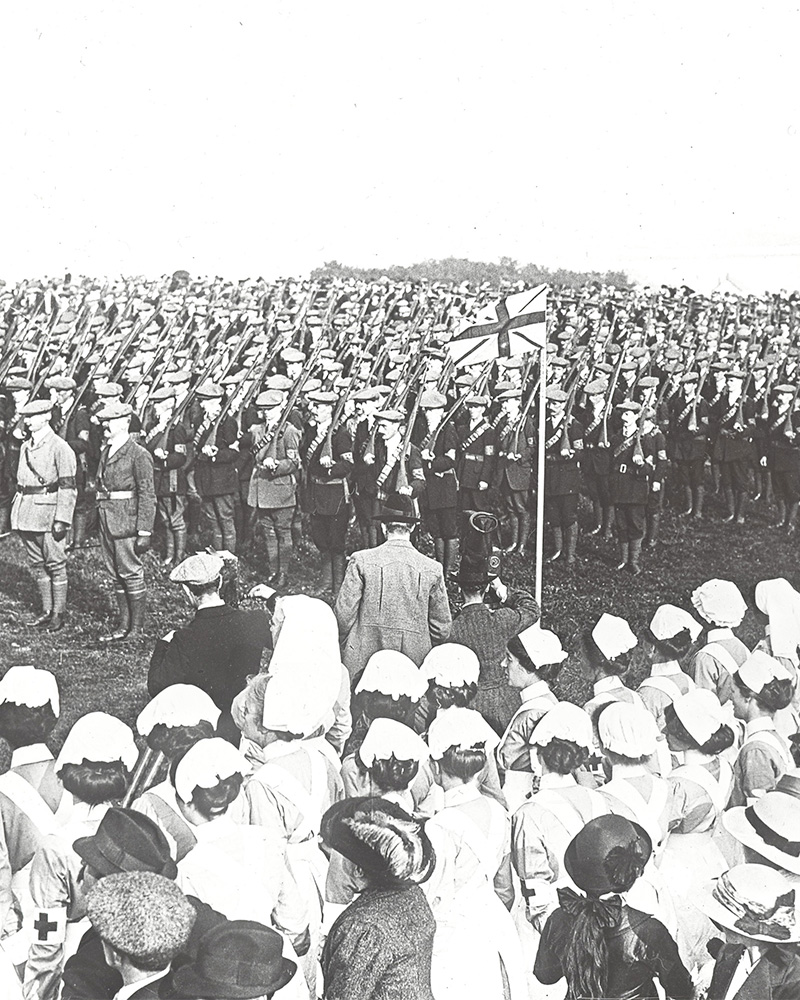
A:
{"x":247,"y":416}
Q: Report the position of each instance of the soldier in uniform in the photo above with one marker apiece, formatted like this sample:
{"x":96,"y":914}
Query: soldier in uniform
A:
{"x":782,"y":456}
{"x":72,"y":423}
{"x":273,"y":484}
{"x":215,"y":473}
{"x":438,"y":446}
{"x":168,"y":441}
{"x":733,"y":449}
{"x":563,"y":448}
{"x":389,"y":474}
{"x":328,"y":457}
{"x":43,"y":507}
{"x":514,"y":471}
{"x":476,"y":459}
{"x":632,"y":462}
{"x":127,"y":501}
{"x":654,"y":445}
{"x":13,"y":435}
{"x":689,"y":442}
{"x":367,"y":404}
{"x":596,"y":457}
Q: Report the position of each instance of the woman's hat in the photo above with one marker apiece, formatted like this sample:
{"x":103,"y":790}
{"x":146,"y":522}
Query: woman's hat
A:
{"x":720,"y":602}
{"x":759,"y":669}
{"x":451,"y":665}
{"x":627,"y":729}
{"x":755,"y":901}
{"x":30,"y":686}
{"x":613,"y":636}
{"x":177,"y":705}
{"x":462,"y":729}
{"x":387,"y":738}
{"x":607,"y":855}
{"x":771,"y":825}
{"x":669,"y":620}
{"x":381,"y":838}
{"x":564,"y":721}
{"x":542,"y":646}
{"x":238,"y":959}
{"x":390,"y":672}
{"x":205,"y":764}
{"x":99,"y":738}
{"x":700,"y":713}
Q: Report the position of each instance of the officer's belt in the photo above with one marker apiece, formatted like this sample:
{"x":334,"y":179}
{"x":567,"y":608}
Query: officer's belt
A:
{"x":28,"y":491}
{"x":323,"y":482}
{"x":115,"y":495}
{"x":475,"y":458}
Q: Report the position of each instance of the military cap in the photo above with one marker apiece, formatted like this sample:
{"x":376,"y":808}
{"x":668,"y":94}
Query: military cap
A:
{"x":199,"y":570}
{"x":209,"y":390}
{"x":114,"y":410}
{"x":784,"y":388}
{"x":597,"y":387}
{"x":292,"y":356}
{"x":279,"y":382}
{"x":432,"y":399}
{"x":510,"y":394}
{"x":164,"y":393}
{"x":323,"y":396}
{"x":35,"y":406}
{"x":393,"y":415}
{"x":476,"y":400}
{"x":59,"y":382}
{"x":629,"y":406}
{"x":366,"y":395}
{"x":269,"y":398}
{"x":141,"y":914}
{"x":17,"y":384}
{"x":556,"y":395}
{"x":108,"y":389}
{"x":690,"y":377}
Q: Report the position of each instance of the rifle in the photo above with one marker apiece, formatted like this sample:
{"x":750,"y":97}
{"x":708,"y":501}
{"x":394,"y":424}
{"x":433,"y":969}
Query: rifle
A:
{"x":603,"y":442}
{"x":402,"y":474}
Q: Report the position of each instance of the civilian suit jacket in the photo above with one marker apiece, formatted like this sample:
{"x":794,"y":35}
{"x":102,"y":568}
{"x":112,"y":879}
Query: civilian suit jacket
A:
{"x":216,"y":652}
{"x":776,"y":975}
{"x":392,"y":597}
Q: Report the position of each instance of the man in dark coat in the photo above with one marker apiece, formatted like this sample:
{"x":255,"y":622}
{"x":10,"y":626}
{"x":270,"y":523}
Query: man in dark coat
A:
{"x":217,"y":650}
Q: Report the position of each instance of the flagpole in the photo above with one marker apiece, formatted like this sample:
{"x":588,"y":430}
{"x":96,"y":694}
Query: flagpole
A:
{"x":540,"y":476}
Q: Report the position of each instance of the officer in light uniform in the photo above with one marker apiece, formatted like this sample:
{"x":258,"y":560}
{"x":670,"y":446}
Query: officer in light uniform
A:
{"x":43,"y":508}
{"x":126,"y":495}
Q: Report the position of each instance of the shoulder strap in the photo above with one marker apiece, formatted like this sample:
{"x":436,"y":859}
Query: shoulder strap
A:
{"x":647,"y":811}
{"x":29,"y":801}
{"x":309,"y":802}
{"x":717,"y":789}
{"x":666,"y":685}
{"x":771,"y":738}
{"x":722,"y":656}
{"x":567,"y":812}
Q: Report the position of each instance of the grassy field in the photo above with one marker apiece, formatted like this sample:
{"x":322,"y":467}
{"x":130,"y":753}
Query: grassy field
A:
{"x":93,"y":677}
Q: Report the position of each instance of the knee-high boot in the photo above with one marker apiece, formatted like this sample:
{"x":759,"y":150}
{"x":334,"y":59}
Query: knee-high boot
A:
{"x":169,"y":549}
{"x":514,"y":539}
{"x":327,"y":571}
{"x":180,"y":545}
{"x":634,"y":552}
{"x":438,"y":547}
{"x":572,"y":540}
{"x":450,"y":556}
{"x":730,"y":504}
{"x":687,"y":499}
{"x":46,"y":593}
{"x":558,"y":539}
{"x":137,"y":602}
{"x":623,"y":555}
{"x":698,"y":499}
{"x":608,"y":520}
{"x":123,"y":618}
{"x":524,"y":532}
{"x":739,"y":507}
{"x":597,"y":515}
{"x":651,"y":535}
{"x":338,"y":563}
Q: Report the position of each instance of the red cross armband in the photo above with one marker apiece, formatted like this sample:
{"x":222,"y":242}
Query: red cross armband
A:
{"x":49,"y":926}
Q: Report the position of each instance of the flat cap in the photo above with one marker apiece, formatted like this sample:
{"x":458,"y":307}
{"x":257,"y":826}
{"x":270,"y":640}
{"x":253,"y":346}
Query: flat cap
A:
{"x":114,"y":410}
{"x":597,"y":387}
{"x":35,"y":406}
{"x":209,"y":390}
{"x":16,"y":384}
{"x":292,"y":356}
{"x":510,"y":394}
{"x":199,"y":570}
{"x":279,"y":382}
{"x":322,"y":396}
{"x":394,"y":416}
{"x":629,"y":406}
{"x":367,"y":394}
{"x":478,"y":400}
{"x":60,"y":382}
{"x":269,"y":398}
{"x":162,"y":394}
{"x":556,"y":395}
{"x":108,"y":389}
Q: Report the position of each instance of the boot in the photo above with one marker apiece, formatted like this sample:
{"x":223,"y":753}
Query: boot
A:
{"x":524,"y":533}
{"x":780,"y":521}
{"x":59,"y":605}
{"x":327,"y":571}
{"x":635,"y":550}
{"x":80,"y":523}
{"x":439,"y":547}
{"x":123,"y":619}
{"x":450,"y":558}
{"x":514,"y":540}
{"x":138,"y":605}
{"x":338,"y":565}
{"x":791,"y":518}
{"x":687,"y":499}
{"x":46,"y":593}
{"x":651,"y":537}
{"x":572,"y":541}
{"x":739,"y":508}
{"x":623,"y":556}
{"x":698,"y":499}
{"x":558,"y":538}
{"x":180,"y":545}
{"x":730,"y":504}
{"x":715,"y":477}
{"x":608,"y":520}
{"x":169,"y":550}
{"x":598,"y":518}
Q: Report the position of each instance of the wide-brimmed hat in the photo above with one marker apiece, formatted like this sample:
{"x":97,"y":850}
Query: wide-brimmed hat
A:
{"x":127,"y":841}
{"x":755,"y":901}
{"x":771,"y":825}
{"x":399,"y":509}
{"x":386,"y":843}
{"x":602,"y":856}
{"x":236,"y":959}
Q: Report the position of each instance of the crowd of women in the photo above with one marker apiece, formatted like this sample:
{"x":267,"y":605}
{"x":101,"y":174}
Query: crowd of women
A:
{"x":393,"y":844}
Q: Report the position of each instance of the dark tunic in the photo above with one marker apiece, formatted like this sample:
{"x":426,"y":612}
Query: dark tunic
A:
{"x":380,"y":948}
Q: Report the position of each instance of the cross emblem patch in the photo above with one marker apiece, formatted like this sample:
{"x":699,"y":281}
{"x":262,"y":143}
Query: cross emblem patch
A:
{"x":50,"y":926}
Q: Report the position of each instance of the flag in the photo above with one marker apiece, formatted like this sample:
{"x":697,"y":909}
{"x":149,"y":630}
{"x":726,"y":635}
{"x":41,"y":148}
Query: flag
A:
{"x":504,"y":329}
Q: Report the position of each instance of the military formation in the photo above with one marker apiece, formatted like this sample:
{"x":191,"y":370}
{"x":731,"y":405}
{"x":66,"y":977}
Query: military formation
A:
{"x":248,"y":417}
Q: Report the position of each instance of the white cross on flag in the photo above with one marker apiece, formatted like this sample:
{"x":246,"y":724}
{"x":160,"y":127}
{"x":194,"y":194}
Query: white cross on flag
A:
{"x":504,"y":329}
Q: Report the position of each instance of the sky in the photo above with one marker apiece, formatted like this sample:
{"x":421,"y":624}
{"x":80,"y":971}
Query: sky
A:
{"x":247,"y":138}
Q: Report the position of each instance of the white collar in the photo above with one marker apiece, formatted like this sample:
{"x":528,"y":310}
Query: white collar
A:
{"x":33,"y":754}
{"x":131,"y":989}
{"x":557,"y":781}
{"x":539,"y":689}
{"x":461,"y":793}
{"x":764,"y":724}
{"x":715,"y":634}
{"x":607,"y":684}
{"x":668,"y":669}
